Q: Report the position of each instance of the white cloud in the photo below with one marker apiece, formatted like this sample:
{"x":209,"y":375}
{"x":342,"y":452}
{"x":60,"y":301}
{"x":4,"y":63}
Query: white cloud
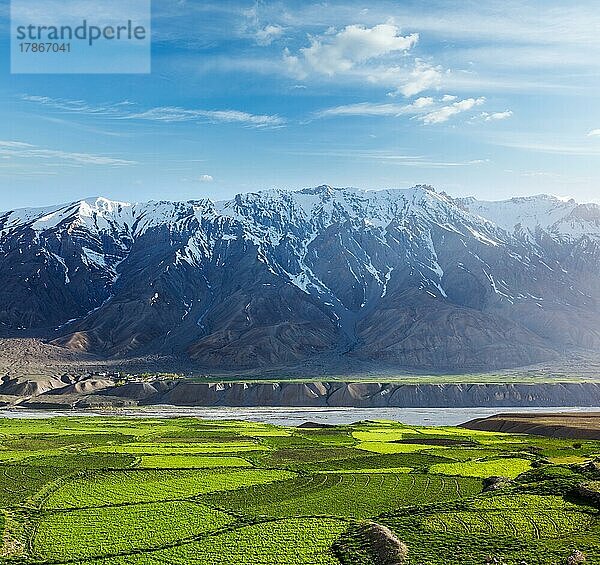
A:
{"x":18,"y":150}
{"x":512,"y":46}
{"x":495,"y":116}
{"x":268,"y":34}
{"x":340,"y":52}
{"x":167,"y":114}
{"x":423,"y":77}
{"x":594,"y":133}
{"x":444,"y":113}
{"x":358,"y":53}
{"x":423,"y":102}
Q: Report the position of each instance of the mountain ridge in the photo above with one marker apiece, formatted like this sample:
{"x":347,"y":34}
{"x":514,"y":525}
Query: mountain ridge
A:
{"x":411,"y":277}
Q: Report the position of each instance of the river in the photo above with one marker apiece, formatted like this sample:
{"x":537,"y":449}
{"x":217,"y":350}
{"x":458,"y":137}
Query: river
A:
{"x":295,"y":416}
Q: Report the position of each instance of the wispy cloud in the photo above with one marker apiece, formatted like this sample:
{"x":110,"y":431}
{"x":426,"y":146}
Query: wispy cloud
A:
{"x":373,"y":109}
{"x":444,"y":113}
{"x":266,"y":35}
{"x":551,"y":148}
{"x":594,"y":133}
{"x":77,"y":125}
{"x":18,"y":150}
{"x":127,"y":110}
{"x":78,"y":106}
{"x":495,"y":116}
{"x":176,"y":114}
{"x":419,"y":161}
{"x":263,"y":33}
{"x":427,"y":109}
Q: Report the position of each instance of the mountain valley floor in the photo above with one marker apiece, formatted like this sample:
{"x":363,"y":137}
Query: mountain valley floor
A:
{"x":109,"y":490}
{"x":34,"y":357}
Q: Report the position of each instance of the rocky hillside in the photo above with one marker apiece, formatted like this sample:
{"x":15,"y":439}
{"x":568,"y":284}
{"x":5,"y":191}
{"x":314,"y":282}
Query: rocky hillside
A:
{"x":109,"y":391}
{"x":412,"y":278}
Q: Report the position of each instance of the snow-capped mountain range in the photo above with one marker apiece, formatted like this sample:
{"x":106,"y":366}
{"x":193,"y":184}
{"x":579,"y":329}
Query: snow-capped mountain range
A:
{"x":409,"y":277}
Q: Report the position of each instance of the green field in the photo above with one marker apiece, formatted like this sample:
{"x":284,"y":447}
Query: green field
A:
{"x":117,"y":491}
{"x":111,"y":488}
{"x":190,"y":462}
{"x":506,"y":467}
{"x":105,"y":531}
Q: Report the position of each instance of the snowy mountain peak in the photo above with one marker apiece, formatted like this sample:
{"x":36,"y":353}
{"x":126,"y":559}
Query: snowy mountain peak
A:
{"x":323,"y":189}
{"x":321,"y":206}
{"x":408,"y":275}
{"x":531,"y":215}
{"x":102,"y":206}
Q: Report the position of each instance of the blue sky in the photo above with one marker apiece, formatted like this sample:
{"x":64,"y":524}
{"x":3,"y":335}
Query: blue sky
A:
{"x":488,"y":98}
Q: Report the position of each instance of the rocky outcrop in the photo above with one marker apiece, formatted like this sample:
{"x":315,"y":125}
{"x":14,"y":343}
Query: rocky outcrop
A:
{"x":31,"y":386}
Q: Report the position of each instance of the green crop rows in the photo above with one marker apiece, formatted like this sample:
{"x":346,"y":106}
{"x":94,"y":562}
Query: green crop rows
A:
{"x":190,"y":462}
{"x":183,"y":491}
{"x":529,"y":516}
{"x":107,"y":531}
{"x":132,"y":486}
{"x":355,"y":495}
{"x":290,"y":542}
{"x":506,"y":467}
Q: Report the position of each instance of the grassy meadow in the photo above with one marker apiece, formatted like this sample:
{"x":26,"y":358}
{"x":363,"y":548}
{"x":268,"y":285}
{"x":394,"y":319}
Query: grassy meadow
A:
{"x":109,"y":490}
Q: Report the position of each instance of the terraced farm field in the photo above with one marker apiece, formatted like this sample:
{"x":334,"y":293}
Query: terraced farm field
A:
{"x":111,"y":488}
{"x":183,"y":491}
{"x":114,"y":529}
{"x":352,"y":495}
